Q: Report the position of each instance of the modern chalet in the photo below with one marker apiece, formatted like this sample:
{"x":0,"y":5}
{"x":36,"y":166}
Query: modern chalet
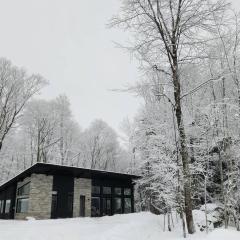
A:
{"x":46,"y":191}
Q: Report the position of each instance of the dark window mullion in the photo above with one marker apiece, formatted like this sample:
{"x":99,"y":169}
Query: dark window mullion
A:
{"x":101,"y":200}
{"x":132,"y":199}
{"x":112,"y":196}
{"x":122,"y":197}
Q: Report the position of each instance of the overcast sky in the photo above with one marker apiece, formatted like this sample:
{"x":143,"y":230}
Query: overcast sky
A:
{"x":68,"y":43}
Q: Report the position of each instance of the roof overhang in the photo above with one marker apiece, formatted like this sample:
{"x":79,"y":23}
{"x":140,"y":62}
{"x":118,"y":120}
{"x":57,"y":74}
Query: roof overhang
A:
{"x":54,"y":169}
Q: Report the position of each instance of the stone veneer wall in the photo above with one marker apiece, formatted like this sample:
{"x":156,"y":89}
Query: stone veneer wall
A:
{"x":82,"y":186}
{"x":40,"y":197}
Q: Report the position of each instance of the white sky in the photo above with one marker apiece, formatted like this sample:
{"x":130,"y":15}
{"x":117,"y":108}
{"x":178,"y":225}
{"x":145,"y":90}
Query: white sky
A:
{"x":68,"y":43}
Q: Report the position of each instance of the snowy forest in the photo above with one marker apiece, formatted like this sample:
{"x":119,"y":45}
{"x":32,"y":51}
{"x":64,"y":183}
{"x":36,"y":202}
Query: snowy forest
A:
{"x":37,"y":130}
{"x":184,"y":141}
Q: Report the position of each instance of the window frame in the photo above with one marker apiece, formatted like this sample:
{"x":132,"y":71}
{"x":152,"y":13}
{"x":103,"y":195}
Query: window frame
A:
{"x":2,"y":201}
{"x":127,"y":189}
{"x":121,"y":205}
{"x":117,"y":194}
{"x":124,"y":204}
{"x":17,"y":205}
{"x":7,"y":206}
{"x":98,"y":192}
{"x":22,"y":187}
{"x":106,"y":193}
{"x":106,"y":210}
{"x":99,"y":203}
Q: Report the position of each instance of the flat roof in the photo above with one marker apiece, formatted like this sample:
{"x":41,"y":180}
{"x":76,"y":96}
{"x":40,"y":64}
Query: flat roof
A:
{"x":55,"y":169}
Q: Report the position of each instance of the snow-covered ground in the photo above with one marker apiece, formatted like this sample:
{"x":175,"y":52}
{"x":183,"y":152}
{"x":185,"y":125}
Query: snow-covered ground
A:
{"x":137,"y":226}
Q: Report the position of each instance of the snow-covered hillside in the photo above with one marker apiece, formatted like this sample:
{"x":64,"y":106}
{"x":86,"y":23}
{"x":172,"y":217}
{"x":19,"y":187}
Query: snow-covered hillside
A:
{"x":137,"y":226}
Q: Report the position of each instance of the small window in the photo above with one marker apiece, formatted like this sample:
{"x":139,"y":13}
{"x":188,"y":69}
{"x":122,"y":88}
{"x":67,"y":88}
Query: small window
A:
{"x":24,"y":190}
{"x":1,"y":206}
{"x":127,"y":205}
{"x":7,"y":205}
{"x":22,"y":205}
{"x":117,"y":191}
{"x":117,"y":205}
{"x":96,"y":189}
{"x":106,"y":190}
{"x":127,"y":191}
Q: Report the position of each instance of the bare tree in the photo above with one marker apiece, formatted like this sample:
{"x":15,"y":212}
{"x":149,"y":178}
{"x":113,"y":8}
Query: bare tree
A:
{"x":100,"y":146}
{"x":168,"y":34}
{"x":39,"y":125}
{"x":63,"y":112}
{"x":16,"y":88}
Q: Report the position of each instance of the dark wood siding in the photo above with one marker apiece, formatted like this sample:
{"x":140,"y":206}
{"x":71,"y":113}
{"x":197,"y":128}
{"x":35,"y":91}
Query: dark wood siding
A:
{"x":8,"y":194}
{"x":63,"y":187}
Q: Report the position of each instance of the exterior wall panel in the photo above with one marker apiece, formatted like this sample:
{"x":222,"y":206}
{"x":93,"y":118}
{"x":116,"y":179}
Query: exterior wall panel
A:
{"x":8,"y":194}
{"x":63,"y":185}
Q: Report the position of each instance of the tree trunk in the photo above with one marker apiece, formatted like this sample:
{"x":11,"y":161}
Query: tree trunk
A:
{"x":205,"y":202}
{"x":223,"y":191}
{"x":183,"y":148}
{"x":183,"y":223}
{"x":169,"y":221}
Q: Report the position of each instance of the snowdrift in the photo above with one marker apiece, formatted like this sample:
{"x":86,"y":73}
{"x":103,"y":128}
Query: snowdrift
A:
{"x":136,"y":226}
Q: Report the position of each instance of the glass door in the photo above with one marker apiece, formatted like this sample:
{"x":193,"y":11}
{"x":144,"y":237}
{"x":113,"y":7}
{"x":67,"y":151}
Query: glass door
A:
{"x":107,"y":206}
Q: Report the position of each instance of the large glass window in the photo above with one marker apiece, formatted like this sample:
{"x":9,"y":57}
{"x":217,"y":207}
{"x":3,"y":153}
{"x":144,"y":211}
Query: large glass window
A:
{"x":24,"y":190}
{"x":111,"y":199}
{"x":106,"y":190}
{"x":127,"y":205}
{"x":95,"y":189}
{"x":117,"y":191}
{"x":127,"y":191}
{"x":117,"y":205}
{"x":22,"y":205}
{"x":1,"y":206}
{"x":95,"y":209}
{"x":7,"y":205}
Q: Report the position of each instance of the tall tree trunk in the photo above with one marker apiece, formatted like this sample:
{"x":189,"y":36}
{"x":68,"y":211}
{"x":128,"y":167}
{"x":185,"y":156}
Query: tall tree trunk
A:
{"x":183,"y":148}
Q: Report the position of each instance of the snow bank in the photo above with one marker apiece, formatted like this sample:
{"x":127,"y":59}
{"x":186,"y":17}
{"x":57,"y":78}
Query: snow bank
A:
{"x":137,"y":226}
{"x":210,"y":207}
{"x":223,"y":234}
